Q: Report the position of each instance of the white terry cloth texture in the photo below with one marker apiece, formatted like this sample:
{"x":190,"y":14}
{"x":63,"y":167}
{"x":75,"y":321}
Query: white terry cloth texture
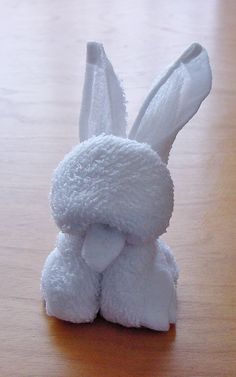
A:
{"x":112,"y":197}
{"x":113,"y":181}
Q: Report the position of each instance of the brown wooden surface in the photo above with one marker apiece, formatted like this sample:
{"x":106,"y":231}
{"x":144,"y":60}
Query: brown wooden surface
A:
{"x":42,"y":56}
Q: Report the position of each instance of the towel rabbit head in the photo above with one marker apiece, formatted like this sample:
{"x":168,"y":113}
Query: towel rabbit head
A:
{"x":113,"y":188}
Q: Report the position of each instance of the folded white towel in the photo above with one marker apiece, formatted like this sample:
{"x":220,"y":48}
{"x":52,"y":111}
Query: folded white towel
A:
{"x":112,"y":197}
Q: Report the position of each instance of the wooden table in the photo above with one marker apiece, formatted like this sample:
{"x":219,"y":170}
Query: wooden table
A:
{"x":42,"y":57}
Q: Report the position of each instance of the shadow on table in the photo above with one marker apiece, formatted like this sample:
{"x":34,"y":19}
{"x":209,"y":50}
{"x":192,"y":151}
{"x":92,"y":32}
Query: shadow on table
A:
{"x":105,"y":349}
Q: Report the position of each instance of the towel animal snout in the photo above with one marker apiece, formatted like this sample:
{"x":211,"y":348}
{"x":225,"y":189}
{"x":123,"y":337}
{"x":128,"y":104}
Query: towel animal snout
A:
{"x":102,"y":244}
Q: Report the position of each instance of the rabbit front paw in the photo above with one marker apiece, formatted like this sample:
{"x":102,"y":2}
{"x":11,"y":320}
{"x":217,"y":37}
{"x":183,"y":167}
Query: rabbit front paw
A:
{"x":70,"y":289}
{"x":160,"y":305}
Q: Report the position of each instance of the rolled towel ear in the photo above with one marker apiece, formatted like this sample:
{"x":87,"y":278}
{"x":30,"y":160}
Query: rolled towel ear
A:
{"x":101,"y":246}
{"x":103,"y":105}
{"x":173,"y":101}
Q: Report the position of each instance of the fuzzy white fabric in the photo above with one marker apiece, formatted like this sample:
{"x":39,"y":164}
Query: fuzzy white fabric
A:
{"x":138,"y":289}
{"x":103,"y":105}
{"x":113,"y":181}
{"x":112,"y":197}
{"x":173,"y":101}
{"x":70,"y":288}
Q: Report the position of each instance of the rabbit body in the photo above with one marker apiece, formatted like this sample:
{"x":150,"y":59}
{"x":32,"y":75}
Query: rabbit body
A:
{"x":138,"y":289}
{"x":112,"y":198}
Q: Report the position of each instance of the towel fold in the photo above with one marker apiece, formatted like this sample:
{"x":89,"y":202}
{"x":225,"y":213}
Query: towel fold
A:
{"x":112,"y":197}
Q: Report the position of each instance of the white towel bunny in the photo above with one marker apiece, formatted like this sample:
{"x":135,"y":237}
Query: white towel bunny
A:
{"x":112,"y":197}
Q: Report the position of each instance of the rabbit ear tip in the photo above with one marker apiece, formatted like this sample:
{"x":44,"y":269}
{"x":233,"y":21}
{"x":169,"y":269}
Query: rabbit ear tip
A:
{"x":94,"y":51}
{"x":196,"y":46}
{"x":192,"y":52}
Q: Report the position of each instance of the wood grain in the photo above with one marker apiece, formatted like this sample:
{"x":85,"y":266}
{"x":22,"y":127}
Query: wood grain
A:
{"x":42,"y":56}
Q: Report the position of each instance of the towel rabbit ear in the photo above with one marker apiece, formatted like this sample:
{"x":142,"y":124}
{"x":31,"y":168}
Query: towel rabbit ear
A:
{"x":173,"y":101}
{"x":103,"y":104}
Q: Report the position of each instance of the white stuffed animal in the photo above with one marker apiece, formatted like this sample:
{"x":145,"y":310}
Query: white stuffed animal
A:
{"x":112,"y":197}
